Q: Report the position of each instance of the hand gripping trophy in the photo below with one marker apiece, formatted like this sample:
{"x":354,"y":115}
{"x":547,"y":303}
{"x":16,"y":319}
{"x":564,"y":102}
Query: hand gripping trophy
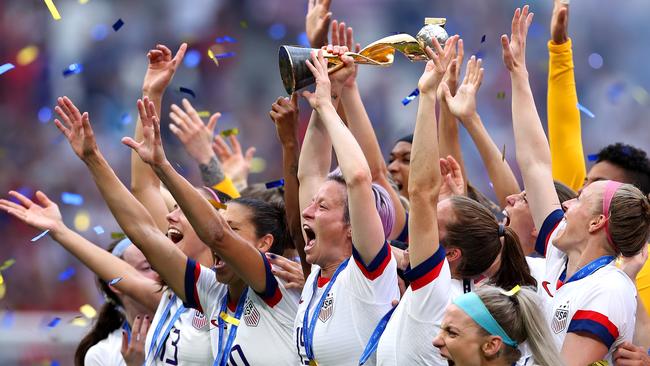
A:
{"x":295,"y":74}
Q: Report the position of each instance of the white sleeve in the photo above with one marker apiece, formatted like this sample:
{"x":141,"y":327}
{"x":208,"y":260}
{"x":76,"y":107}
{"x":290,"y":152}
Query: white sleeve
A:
{"x":376,"y":281}
{"x":431,"y":285}
{"x":202,"y":291}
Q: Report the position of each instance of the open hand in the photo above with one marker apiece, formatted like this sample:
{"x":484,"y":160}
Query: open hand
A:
{"x":193,"y":133}
{"x":161,"y":69}
{"x":318,"y":67}
{"x":150,"y":149}
{"x":560,"y":22}
{"x":289,"y":271}
{"x":234,"y":163}
{"x":133,"y":350}
{"x":284,"y":113}
{"x":317,"y":21}
{"x":453,"y":183}
{"x":342,"y":36}
{"x":463,"y":105}
{"x":44,"y":215}
{"x":514,"y":50}
{"x":76,"y":128}
{"x":437,"y":65}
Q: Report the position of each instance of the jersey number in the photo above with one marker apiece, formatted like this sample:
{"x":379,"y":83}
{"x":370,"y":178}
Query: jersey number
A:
{"x":236,"y":352}
{"x":170,"y":361}
{"x":300,"y":345}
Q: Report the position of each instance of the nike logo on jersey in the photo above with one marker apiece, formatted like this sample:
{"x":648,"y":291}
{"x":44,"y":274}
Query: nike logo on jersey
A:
{"x":545,"y":285}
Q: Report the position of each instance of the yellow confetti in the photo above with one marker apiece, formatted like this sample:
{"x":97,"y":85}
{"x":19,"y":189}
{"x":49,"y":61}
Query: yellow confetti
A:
{"x":230,"y":131}
{"x":3,"y":289}
{"x":217,"y":205}
{"x":53,"y":10}
{"x":82,"y":221}
{"x":243,"y":24}
{"x":258,"y":165}
{"x":27,"y":55}
{"x":79,"y":321}
{"x":229,"y":319}
{"x":8,"y":263}
{"x":211,"y":55}
{"x":88,"y":311}
{"x":640,"y":95}
{"x":204,"y":114}
{"x":83,"y":2}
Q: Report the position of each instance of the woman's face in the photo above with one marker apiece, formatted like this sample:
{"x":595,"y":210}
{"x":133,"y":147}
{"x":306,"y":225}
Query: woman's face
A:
{"x":133,"y":256}
{"x":520,"y":219}
{"x":323,"y":222}
{"x":399,"y":165}
{"x":460,"y":338}
{"x":578,"y":215}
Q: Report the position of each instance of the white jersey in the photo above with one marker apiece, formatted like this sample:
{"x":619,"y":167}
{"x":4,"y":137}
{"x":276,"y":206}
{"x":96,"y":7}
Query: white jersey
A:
{"x":265,"y":332}
{"x":603,"y":303}
{"x":408,"y":337}
{"x":107,"y":351}
{"x":188,"y":342}
{"x":358,"y":299}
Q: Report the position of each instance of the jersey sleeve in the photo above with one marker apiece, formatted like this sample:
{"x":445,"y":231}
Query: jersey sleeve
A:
{"x":272,"y":294}
{"x":605,"y":313}
{"x":548,"y":227}
{"x":376,"y":280}
{"x":565,"y":137}
{"x":430,"y":286}
{"x":94,"y":358}
{"x":202,"y":291}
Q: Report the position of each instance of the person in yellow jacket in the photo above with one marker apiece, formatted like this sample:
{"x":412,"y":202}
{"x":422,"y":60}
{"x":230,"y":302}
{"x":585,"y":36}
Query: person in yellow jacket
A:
{"x":619,"y":162}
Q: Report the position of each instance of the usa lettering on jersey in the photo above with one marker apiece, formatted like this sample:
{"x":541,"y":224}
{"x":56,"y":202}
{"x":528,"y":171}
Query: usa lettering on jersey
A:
{"x":199,"y":320}
{"x":327,"y":309}
{"x":560,"y":318}
{"x":251,"y":314}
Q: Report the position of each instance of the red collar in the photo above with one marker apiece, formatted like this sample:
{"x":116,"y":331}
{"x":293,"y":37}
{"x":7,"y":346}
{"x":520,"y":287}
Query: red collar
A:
{"x":322,"y":281}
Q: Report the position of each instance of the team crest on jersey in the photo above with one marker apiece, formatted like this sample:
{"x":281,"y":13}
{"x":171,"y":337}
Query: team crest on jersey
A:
{"x":327,"y":309}
{"x":560,"y":318}
{"x":199,"y":321}
{"x":251,"y":314}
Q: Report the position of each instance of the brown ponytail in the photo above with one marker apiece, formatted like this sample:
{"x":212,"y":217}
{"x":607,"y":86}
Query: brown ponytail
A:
{"x":629,"y":220}
{"x":514,"y":269}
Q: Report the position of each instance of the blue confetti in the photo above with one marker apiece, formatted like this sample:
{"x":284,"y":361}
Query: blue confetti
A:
{"x":411,"y":96}
{"x":615,"y":91}
{"x":54,"y":322}
{"x":277,"y":31}
{"x":483,"y":39}
{"x":73,"y":69}
{"x":67,"y":274}
{"x":126,"y":119}
{"x":275,"y":183}
{"x":72,"y":199}
{"x":586,"y":111}
{"x":54,"y":363}
{"x":8,"y":319}
{"x":6,"y":67}
{"x":192,"y":58}
{"x":98,"y":230}
{"x":99,"y":32}
{"x":480,"y":54}
{"x":303,"y":40}
{"x":44,"y":114}
{"x":224,"y":55}
{"x":114,"y":281}
{"x":40,"y":235}
{"x":188,"y":91}
{"x":592,"y":157}
{"x":117,"y":25}
{"x":225,"y":39}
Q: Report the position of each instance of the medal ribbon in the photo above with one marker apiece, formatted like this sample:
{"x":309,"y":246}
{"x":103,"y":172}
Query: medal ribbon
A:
{"x":590,"y":268}
{"x":157,"y":341}
{"x":373,"y":342}
{"x":234,"y":324}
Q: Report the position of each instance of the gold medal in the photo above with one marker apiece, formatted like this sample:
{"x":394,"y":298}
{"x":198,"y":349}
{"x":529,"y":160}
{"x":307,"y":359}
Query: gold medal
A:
{"x":313,"y":363}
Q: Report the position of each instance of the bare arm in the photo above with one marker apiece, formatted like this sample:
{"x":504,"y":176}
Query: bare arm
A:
{"x":45,"y":215}
{"x":145,"y":186}
{"x":531,"y":145}
{"x":284,"y":113}
{"x":591,"y":350}
{"x":130,"y":214}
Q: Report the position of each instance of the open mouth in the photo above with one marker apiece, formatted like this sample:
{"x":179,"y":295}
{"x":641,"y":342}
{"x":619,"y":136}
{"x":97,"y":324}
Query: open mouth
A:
{"x":174,"y":235}
{"x":311,"y":237}
{"x":506,"y":218}
{"x":218,"y":262}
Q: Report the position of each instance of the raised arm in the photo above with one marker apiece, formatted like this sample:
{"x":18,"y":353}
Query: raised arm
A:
{"x":531,"y":146}
{"x":362,"y":130}
{"x":45,"y":215}
{"x":211,"y":227}
{"x":317,"y":22}
{"x":284,"y":113}
{"x":463,"y":107}
{"x":145,"y":186}
{"x":564,"y":131}
{"x":131,"y":215}
{"x":425,"y":179}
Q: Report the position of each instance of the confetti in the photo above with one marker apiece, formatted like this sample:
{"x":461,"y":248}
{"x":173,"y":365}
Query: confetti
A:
{"x":217,"y":205}
{"x":224,"y":55}
{"x":192,"y":58}
{"x":98,"y":230}
{"x":225,"y":39}
{"x":126,"y":119}
{"x":8,"y":319}
{"x":230,"y":132}
{"x":54,"y":322}
{"x":40,"y":235}
{"x":3,"y":288}
{"x":54,"y":363}
{"x":115,"y":281}
{"x":27,"y":55}
{"x":503,"y":153}
{"x":67,"y":274}
{"x":82,"y":2}
{"x":72,"y":199}
{"x":88,"y":311}
{"x":187,"y":91}
{"x":100,"y":32}
{"x":640,"y":95}
{"x":116,"y":235}
{"x":82,"y":221}
{"x":303,"y":40}
{"x":6,"y":67}
{"x":277,"y":31}
{"x":212,"y":57}
{"x":258,"y":165}
{"x":118,"y":24}
{"x":79,"y":321}
{"x":44,"y":114}
{"x":411,"y":96}
{"x":615,"y":92}
{"x":243,"y":24}
{"x":586,"y":111}
{"x":204,"y":114}
{"x":592,"y":157}
{"x":483,"y":39}
{"x":53,"y":10}
{"x":275,"y":183}
{"x":8,"y":263}
{"x":73,"y":69}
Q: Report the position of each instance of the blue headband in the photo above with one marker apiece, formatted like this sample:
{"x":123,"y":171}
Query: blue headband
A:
{"x":472,"y":305}
{"x":121,"y":247}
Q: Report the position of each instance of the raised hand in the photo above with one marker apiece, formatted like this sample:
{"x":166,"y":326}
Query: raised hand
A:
{"x":560,"y":21}
{"x":133,"y":351}
{"x":514,"y":50}
{"x":629,"y":354}
{"x":453,"y":183}
{"x":161,"y":70}
{"x":341,"y":76}
{"x":234,"y":164}
{"x":44,"y":215}
{"x":76,"y":128}
{"x":193,"y":133}
{"x":284,"y":113}
{"x":632,"y":265}
{"x":150,"y":149}
{"x":318,"y":66}
{"x":289,"y":271}
{"x":317,"y":21}
{"x":437,"y":65}
{"x":453,"y":71}
{"x":463,"y":105}
{"x":344,"y":36}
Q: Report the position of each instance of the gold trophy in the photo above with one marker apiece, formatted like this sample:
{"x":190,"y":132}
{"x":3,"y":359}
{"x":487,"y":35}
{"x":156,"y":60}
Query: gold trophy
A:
{"x":295,"y":74}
